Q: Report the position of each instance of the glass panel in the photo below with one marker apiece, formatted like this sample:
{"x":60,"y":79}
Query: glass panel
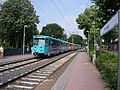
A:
{"x":39,"y":41}
{"x":47,"y":41}
{"x":35,"y":42}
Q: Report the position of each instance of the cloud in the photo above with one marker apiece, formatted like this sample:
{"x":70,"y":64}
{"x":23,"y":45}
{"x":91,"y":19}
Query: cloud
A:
{"x":82,"y":6}
{"x":81,"y":9}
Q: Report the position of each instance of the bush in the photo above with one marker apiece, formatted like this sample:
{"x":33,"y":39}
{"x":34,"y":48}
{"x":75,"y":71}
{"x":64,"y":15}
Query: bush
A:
{"x":108,"y":69}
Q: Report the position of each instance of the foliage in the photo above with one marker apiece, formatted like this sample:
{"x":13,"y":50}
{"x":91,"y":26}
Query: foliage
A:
{"x":77,"y":39}
{"x":15,"y":14}
{"x":64,"y":37}
{"x":113,"y":34}
{"x":95,"y":17}
{"x":84,"y":43}
{"x":108,"y":69}
{"x":89,"y":22}
{"x":53,"y":30}
{"x":107,"y":8}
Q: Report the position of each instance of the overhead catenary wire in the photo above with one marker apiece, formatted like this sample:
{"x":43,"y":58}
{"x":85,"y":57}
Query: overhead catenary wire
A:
{"x":41,"y":21}
{"x":60,"y":13}
{"x":44,"y":11}
{"x":67,"y":14}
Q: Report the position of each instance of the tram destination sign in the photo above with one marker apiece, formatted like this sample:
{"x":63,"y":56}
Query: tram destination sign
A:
{"x":110,"y":25}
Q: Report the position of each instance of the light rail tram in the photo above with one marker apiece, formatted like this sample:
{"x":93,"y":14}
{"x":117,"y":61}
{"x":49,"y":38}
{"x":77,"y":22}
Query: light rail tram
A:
{"x":47,"y":46}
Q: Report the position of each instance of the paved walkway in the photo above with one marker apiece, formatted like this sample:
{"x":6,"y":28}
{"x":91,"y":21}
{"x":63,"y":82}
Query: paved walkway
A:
{"x":80,"y":75}
{"x":15,"y":58}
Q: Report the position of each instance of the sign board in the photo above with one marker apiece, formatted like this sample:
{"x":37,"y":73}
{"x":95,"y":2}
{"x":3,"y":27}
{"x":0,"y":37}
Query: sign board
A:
{"x":110,"y":25}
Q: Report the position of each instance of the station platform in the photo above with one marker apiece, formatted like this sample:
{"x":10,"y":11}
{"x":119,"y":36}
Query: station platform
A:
{"x":80,"y":75}
{"x":13,"y":58}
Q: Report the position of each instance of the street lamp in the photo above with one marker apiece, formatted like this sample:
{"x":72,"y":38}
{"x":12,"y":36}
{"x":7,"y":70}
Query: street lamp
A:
{"x":88,"y":42}
{"x":1,"y":27}
{"x":73,"y":37}
{"x":24,"y":39}
{"x":94,"y":52}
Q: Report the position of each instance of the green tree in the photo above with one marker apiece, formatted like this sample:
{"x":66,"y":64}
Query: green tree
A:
{"x":53,"y":30}
{"x":15,"y":14}
{"x":84,"y":43}
{"x":64,"y":37}
{"x":89,"y":22}
{"x":77,"y":39}
{"x":107,"y":9}
{"x":95,"y":17}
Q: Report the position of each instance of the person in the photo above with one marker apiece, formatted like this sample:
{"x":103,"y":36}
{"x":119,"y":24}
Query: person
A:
{"x":1,"y":49}
{"x":1,"y":52}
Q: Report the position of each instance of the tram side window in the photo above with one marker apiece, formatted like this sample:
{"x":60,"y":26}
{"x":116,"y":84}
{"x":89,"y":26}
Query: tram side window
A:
{"x":47,"y":42}
{"x":58,"y":43}
{"x":53,"y":43}
{"x":62,"y":45}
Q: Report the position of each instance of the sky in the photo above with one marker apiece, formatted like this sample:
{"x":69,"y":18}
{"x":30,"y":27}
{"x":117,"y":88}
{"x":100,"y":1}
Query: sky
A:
{"x":62,"y":12}
{"x":65,"y":16}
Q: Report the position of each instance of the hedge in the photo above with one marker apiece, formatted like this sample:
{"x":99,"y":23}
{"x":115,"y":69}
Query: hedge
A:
{"x":108,"y":69}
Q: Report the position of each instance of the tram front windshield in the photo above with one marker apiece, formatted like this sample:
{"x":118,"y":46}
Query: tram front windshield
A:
{"x":39,"y":41}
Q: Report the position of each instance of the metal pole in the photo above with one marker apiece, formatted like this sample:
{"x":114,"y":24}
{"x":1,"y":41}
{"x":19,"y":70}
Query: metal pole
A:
{"x":118,"y":86}
{"x":24,"y":40}
{"x":100,"y":49}
{"x":1,"y":27}
{"x":1,"y":36}
{"x":88,"y":42}
{"x":73,"y":38}
{"x":94,"y":55}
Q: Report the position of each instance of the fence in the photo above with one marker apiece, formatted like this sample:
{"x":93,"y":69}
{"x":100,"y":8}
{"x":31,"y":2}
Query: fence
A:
{"x":16,"y":51}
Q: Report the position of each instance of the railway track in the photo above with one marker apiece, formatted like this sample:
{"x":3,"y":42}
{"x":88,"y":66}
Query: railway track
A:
{"x":27,"y":75}
{"x":8,"y":66}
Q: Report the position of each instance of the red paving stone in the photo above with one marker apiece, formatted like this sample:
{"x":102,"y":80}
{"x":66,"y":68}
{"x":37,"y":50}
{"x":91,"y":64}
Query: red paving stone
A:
{"x":84,"y":76}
